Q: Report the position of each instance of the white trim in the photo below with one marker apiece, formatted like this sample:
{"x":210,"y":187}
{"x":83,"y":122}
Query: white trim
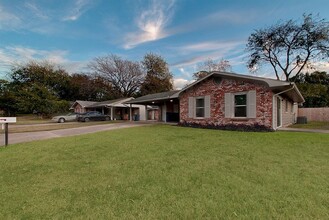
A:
{"x":278,"y":97}
{"x":204,"y":107}
{"x":273,"y":112}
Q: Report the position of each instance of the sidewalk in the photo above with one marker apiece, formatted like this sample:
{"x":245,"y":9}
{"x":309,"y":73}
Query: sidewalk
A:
{"x":304,"y":130}
{"x":42,"y":135}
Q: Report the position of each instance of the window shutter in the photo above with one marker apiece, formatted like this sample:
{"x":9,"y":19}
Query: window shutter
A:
{"x":191,"y":107}
{"x":207,"y":106}
{"x":251,"y":104}
{"x":228,"y":105}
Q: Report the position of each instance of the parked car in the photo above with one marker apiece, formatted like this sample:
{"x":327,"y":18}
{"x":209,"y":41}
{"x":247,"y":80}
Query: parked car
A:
{"x":93,"y":116}
{"x":63,"y":118}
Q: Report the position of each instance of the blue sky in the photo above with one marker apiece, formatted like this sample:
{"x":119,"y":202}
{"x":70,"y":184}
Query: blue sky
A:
{"x":185,"y":32}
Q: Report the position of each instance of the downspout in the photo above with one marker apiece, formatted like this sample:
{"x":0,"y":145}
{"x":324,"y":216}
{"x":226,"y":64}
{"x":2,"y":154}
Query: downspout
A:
{"x":274,"y":98}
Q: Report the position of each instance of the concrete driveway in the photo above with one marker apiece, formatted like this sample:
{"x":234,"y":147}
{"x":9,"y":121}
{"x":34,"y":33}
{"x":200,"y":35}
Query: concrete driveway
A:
{"x":42,"y":135}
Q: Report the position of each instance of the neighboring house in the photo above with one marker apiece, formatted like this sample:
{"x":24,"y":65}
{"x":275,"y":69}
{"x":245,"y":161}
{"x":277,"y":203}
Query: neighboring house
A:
{"x":79,"y":106}
{"x":116,"y":108}
{"x":222,"y":99}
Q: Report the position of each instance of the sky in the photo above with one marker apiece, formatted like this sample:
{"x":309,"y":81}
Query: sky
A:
{"x":185,"y":33}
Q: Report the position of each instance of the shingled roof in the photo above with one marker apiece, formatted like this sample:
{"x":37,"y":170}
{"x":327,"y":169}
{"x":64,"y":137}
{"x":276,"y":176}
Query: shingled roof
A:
{"x":108,"y":102}
{"x":155,"y":97}
{"x":275,"y":85}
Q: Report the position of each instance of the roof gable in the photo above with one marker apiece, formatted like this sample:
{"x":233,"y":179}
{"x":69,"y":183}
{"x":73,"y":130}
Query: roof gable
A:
{"x":277,"y":86}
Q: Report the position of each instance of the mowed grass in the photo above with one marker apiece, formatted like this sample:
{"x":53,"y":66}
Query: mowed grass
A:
{"x":322,"y":125}
{"x":167,"y":172}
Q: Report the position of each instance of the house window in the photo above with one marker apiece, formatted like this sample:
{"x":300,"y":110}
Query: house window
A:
{"x":199,"y":107}
{"x":240,"y":105}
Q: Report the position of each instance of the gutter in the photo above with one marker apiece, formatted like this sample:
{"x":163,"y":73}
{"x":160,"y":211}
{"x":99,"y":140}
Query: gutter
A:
{"x":293,"y":86}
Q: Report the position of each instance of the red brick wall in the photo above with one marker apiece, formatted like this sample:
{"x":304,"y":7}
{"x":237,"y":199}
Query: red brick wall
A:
{"x":78,"y":108}
{"x":156,"y":114}
{"x":217,"y":91}
{"x":288,"y":113}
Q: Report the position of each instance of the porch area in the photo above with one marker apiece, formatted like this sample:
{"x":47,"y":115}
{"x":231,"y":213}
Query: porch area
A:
{"x":167,"y":104}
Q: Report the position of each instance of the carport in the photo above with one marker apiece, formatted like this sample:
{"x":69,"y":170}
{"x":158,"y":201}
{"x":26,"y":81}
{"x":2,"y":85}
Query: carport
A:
{"x":167,"y":102}
{"x":116,"y":108}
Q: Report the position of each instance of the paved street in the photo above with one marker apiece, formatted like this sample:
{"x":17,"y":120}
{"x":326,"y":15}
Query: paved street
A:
{"x":42,"y":135}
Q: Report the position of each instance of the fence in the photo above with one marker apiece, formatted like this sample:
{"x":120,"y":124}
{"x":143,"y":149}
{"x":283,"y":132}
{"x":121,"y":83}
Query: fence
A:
{"x":315,"y":114}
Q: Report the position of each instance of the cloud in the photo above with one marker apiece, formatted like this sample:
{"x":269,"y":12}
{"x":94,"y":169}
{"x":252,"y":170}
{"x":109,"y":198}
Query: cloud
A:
{"x":27,"y":16}
{"x":80,"y":7}
{"x":17,"y":55}
{"x":151,"y":24}
{"x":210,"y":46}
{"x":210,"y":49}
{"x":8,"y":20}
{"x":322,"y":66}
{"x":231,"y":17}
{"x":216,"y":20}
{"x":180,"y":83}
{"x":36,"y":11}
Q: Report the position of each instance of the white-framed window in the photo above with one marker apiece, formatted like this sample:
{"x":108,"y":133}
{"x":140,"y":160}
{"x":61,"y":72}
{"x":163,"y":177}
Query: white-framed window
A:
{"x":199,"y":107}
{"x":240,"y":105}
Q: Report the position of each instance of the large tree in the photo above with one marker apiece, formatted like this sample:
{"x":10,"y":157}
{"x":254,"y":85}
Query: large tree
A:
{"x":314,"y":88}
{"x":37,"y":87}
{"x":158,"y":77}
{"x":91,"y":88}
{"x":125,"y":76}
{"x":45,"y":73}
{"x":211,"y":65}
{"x":289,"y":47}
{"x":8,"y":103}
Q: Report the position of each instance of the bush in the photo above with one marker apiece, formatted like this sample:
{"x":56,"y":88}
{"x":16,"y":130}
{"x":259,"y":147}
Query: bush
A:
{"x":232,"y":127}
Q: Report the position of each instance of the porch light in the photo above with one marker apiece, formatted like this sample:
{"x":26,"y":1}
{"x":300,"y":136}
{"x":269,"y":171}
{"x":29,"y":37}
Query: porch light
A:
{"x":171,"y":100}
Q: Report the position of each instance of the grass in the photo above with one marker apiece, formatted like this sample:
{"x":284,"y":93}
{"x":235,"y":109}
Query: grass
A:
{"x":31,"y":119}
{"x":167,"y":172}
{"x":322,"y":125}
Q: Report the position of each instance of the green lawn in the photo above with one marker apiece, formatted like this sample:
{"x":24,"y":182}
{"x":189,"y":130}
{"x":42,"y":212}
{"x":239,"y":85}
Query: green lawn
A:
{"x":322,"y":125}
{"x":167,"y":172}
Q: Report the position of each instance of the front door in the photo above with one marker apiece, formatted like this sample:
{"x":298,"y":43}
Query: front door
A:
{"x":278,"y":112}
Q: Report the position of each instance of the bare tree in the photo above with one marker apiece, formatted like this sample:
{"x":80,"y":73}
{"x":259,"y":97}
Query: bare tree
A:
{"x":290,"y":47}
{"x":125,"y":76}
{"x":210,"y":65}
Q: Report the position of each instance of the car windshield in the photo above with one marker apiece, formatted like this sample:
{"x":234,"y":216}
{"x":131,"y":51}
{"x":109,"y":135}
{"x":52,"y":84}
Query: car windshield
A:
{"x":69,"y":114}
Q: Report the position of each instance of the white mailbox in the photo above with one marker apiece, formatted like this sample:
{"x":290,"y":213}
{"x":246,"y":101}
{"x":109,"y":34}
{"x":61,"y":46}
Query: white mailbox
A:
{"x":4,"y":120}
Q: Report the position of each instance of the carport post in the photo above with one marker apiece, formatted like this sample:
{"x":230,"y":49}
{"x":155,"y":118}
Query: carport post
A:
{"x":146,"y":113}
{"x":6,"y":134}
{"x":112,"y":114}
{"x":130,"y":112}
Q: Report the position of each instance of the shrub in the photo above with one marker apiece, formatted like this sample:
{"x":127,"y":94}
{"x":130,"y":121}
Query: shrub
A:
{"x":232,"y":127}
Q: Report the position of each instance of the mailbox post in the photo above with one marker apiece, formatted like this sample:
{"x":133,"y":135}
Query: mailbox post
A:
{"x":5,"y":121}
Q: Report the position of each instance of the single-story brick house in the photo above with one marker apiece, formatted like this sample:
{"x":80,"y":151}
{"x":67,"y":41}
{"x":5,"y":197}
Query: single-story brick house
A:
{"x":116,"y":108}
{"x":222,"y":98}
